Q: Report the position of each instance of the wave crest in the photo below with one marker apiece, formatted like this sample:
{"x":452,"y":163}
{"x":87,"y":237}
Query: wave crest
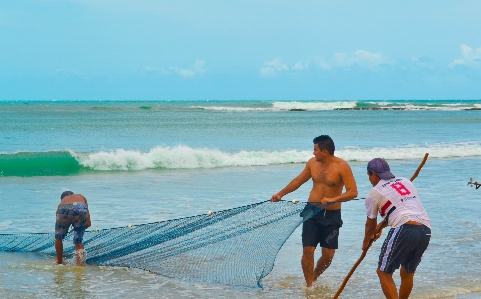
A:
{"x":314,"y":105}
{"x":184,"y":157}
{"x":344,"y":105}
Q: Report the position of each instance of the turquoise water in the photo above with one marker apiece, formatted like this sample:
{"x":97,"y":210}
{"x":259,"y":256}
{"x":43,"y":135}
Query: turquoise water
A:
{"x":141,"y":162}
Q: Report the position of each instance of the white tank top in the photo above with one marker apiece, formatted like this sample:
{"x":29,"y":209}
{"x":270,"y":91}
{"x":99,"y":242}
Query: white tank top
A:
{"x":398,"y":200}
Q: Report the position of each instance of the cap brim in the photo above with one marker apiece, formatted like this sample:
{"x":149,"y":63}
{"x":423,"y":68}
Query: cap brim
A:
{"x":386,"y":175}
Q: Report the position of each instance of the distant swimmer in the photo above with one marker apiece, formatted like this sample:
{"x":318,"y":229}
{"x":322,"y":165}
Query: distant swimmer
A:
{"x":72,"y":210}
{"x":329,"y":175}
{"x":398,"y":202}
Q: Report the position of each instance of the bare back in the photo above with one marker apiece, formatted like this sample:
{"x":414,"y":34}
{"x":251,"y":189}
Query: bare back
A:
{"x":73,"y":198}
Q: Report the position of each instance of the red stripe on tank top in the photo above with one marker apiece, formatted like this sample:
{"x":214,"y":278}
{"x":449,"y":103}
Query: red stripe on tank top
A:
{"x":384,"y":208}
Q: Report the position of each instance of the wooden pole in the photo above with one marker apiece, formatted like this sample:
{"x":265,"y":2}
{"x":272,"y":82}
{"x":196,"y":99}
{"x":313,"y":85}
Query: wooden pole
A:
{"x":380,"y":226}
{"x":415,"y":175}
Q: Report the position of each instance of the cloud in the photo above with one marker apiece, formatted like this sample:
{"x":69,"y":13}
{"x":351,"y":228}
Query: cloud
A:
{"x":277,"y":66}
{"x":420,"y":63}
{"x":149,"y":69}
{"x":470,"y":57}
{"x":360,"y":58}
{"x":322,"y":64}
{"x":301,"y":65}
{"x":195,"y":69}
{"x":273,"y":67}
{"x":153,"y":71}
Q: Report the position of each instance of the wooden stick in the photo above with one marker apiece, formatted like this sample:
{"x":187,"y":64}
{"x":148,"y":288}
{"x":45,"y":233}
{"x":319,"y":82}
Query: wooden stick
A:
{"x":415,"y":175}
{"x":380,"y":226}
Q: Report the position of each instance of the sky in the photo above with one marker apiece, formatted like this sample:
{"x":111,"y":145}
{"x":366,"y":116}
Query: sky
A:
{"x":240,"y":50}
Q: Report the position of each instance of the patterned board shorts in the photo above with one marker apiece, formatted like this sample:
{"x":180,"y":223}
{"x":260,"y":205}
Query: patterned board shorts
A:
{"x":74,"y":214}
{"x":404,"y":246}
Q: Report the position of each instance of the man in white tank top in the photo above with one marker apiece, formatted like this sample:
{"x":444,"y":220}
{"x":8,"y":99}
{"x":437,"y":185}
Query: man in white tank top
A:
{"x":397,"y":201}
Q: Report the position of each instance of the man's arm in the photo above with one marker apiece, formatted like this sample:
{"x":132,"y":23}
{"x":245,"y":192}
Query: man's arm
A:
{"x":88,"y":212}
{"x":369,"y":232}
{"x":88,"y":220}
{"x":303,"y":177}
{"x":85,"y":199}
{"x":349,"y":183}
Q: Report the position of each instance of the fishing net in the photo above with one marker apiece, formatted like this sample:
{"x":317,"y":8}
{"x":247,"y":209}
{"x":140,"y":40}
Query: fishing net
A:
{"x":235,"y":247}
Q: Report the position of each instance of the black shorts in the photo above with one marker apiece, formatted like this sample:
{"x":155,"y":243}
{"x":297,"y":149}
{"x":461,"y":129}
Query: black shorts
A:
{"x":323,"y":229}
{"x":404,"y":246}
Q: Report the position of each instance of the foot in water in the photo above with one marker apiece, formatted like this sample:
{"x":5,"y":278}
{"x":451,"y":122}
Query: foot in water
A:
{"x":81,"y":255}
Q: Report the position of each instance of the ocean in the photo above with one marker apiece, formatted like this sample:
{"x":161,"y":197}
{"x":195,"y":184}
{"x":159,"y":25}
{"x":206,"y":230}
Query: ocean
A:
{"x":140,"y":162}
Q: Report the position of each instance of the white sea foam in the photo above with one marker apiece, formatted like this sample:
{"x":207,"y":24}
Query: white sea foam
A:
{"x":345,"y":105}
{"x":232,"y":108}
{"x":284,"y":106}
{"x":78,"y":256}
{"x":412,"y":152}
{"x":314,"y":105}
{"x":184,"y":157}
{"x":424,"y":106}
{"x":430,"y":106}
{"x":379,"y":103}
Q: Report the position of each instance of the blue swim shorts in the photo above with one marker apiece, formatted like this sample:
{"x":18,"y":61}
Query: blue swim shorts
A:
{"x":323,"y":229}
{"x":404,"y":246}
{"x":74,"y":214}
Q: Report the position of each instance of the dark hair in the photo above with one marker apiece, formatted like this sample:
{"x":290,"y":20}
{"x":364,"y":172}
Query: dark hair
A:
{"x":324,"y":142}
{"x":65,"y":193}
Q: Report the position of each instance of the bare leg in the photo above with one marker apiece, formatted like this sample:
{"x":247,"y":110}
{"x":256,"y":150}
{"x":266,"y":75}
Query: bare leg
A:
{"x":324,"y":262}
{"x":80,"y":255}
{"x":307,"y":263}
{"x":387,"y":284}
{"x":59,"y":250}
{"x":406,"y":284}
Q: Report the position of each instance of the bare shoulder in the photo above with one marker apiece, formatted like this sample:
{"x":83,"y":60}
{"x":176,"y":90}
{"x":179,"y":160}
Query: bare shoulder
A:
{"x":82,"y":197}
{"x":311,"y":161}
{"x":343,"y":167}
{"x":311,"y":164}
{"x":342,"y":163}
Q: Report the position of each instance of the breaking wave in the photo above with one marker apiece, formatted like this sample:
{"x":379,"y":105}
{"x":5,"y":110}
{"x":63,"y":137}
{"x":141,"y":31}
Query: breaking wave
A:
{"x":343,"y":105}
{"x":183,"y":157}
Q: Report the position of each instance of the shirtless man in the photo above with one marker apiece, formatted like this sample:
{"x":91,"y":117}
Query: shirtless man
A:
{"x":72,"y":210}
{"x":329,"y":175}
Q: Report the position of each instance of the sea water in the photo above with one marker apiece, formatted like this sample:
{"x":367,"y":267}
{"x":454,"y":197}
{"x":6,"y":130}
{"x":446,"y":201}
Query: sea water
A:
{"x":139,"y":162}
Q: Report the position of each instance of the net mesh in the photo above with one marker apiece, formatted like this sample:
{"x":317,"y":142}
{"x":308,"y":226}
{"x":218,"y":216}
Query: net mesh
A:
{"x":236,"y":246}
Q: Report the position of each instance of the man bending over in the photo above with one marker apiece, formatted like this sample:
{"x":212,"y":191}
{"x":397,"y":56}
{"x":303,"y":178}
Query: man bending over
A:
{"x":72,"y":210}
